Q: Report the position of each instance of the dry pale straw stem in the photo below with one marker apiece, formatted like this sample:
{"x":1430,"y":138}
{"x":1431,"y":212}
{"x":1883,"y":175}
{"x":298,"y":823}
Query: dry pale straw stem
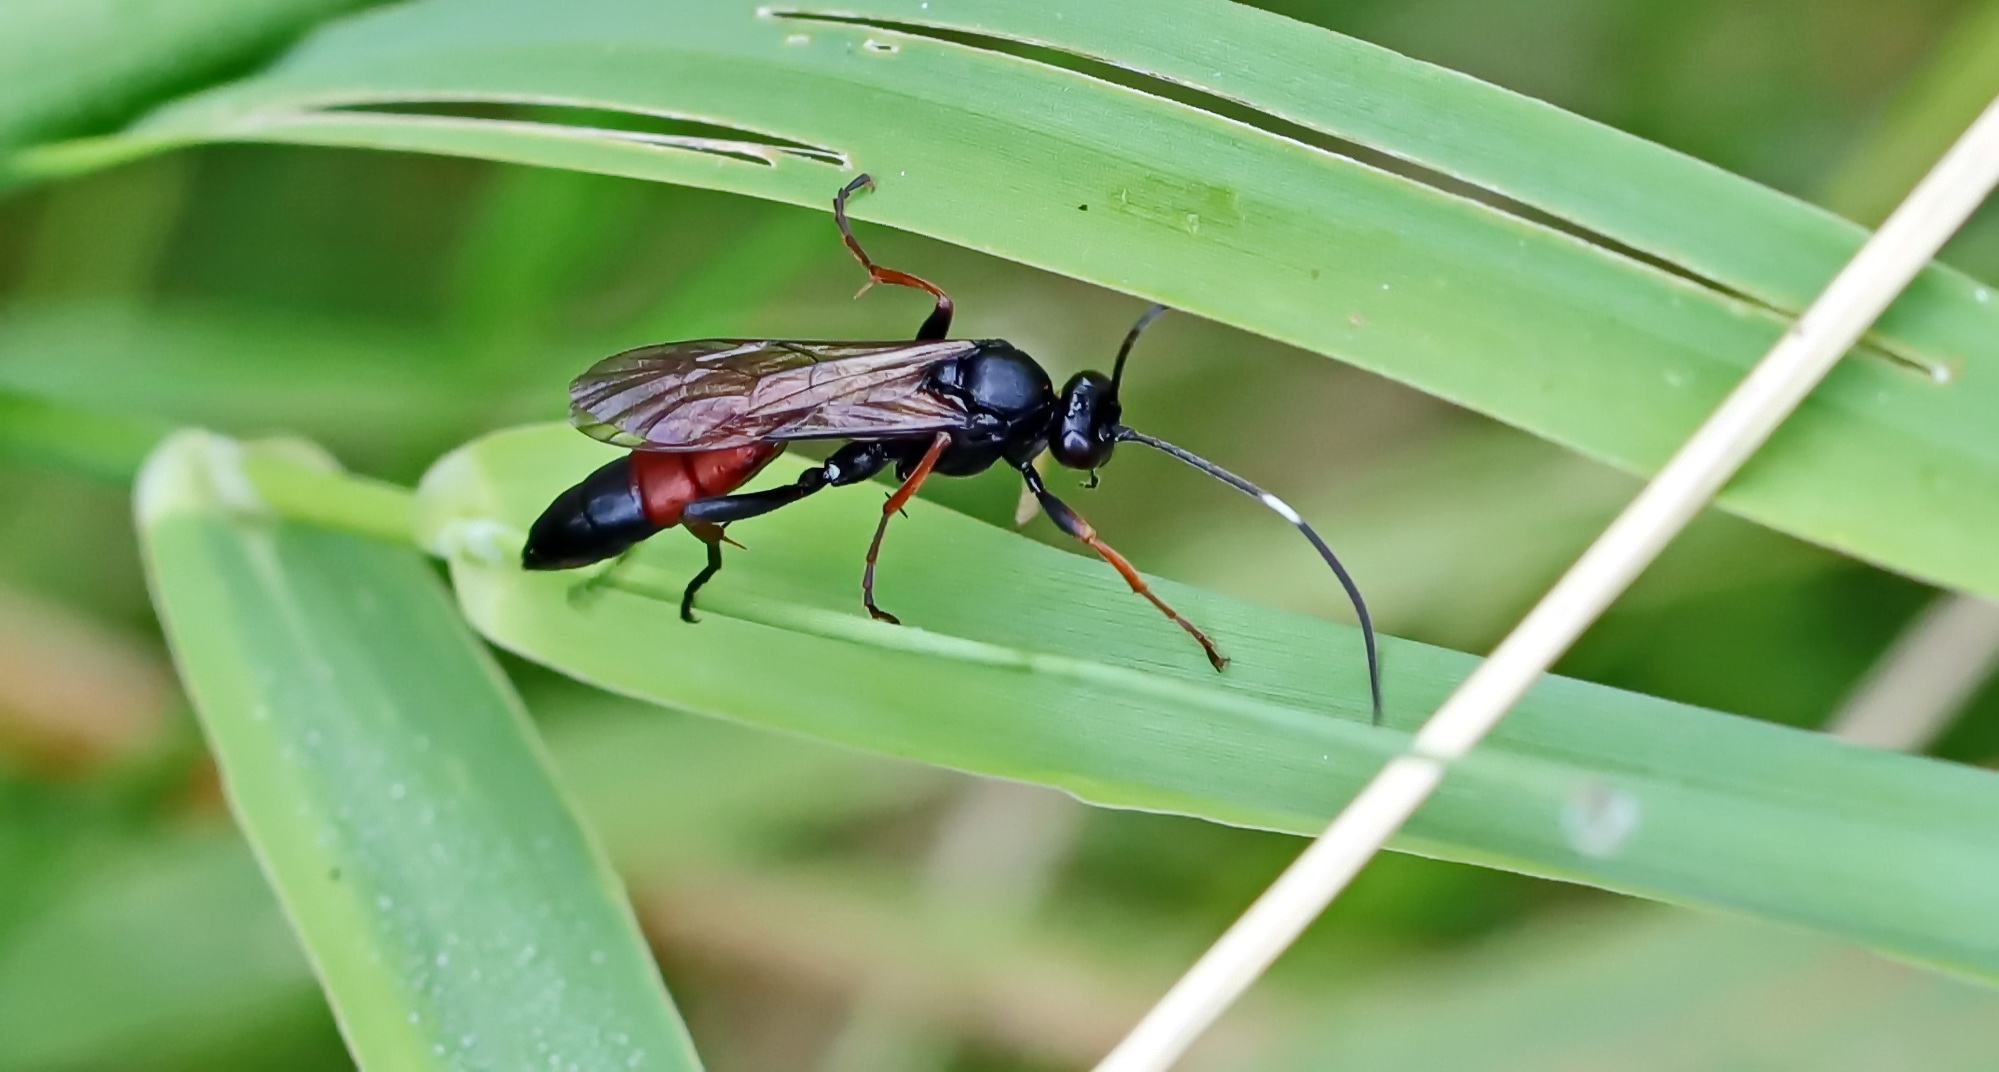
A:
{"x":1925,"y":678}
{"x":1833,"y":323}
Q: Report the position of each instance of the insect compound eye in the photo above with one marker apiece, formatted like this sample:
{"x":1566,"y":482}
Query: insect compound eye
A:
{"x":1083,"y":438}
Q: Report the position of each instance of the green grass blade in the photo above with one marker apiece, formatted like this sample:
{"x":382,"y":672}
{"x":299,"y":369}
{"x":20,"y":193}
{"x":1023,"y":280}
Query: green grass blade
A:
{"x":1892,"y":462}
{"x":455,"y":911}
{"x":1039,"y":666}
{"x":1745,"y":236}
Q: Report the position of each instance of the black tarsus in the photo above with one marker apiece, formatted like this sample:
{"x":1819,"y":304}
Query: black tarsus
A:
{"x":712,"y":536}
{"x":1284,"y":510}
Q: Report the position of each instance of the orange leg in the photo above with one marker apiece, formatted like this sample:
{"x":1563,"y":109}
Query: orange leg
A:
{"x":889,"y":509}
{"x":1071,"y":522}
{"x":939,"y":323}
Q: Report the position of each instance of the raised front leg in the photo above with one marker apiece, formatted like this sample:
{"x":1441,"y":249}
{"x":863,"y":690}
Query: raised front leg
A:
{"x":938,"y":324}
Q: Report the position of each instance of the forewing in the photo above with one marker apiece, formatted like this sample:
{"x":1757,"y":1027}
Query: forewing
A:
{"x":713,"y":393}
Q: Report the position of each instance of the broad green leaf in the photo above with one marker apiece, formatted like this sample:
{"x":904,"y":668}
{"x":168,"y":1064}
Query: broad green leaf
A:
{"x":1892,"y":460}
{"x":1020,"y":661}
{"x":455,"y":911}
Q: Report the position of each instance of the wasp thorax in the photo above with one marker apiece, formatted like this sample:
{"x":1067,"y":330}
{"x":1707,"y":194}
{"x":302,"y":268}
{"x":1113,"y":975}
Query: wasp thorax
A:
{"x":997,"y":379}
{"x":1085,"y":430}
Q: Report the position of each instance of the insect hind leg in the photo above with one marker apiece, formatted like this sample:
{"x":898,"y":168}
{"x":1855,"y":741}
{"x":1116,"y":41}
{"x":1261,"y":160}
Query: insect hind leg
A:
{"x":711,"y":535}
{"x":938,"y":324}
{"x":705,"y":517}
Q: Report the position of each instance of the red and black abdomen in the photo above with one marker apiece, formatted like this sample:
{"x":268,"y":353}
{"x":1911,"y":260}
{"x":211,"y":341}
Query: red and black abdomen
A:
{"x":633,"y":497}
{"x":668,"y":480}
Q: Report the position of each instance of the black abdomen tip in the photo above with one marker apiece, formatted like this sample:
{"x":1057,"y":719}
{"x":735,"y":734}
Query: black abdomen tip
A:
{"x":595,"y":520}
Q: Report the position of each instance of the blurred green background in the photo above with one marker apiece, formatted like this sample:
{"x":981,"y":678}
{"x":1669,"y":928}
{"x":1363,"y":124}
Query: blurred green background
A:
{"x":823,"y":910}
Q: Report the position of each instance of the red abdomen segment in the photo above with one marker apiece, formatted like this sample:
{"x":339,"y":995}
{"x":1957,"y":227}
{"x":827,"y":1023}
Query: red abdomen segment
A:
{"x":668,"y":480}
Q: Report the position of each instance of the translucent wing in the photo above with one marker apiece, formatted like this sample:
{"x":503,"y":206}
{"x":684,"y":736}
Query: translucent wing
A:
{"x":711,"y":393}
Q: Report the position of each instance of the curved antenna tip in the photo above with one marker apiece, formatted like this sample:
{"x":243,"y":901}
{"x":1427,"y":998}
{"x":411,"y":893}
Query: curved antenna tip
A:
{"x":1285,"y":511}
{"x":1145,"y":319}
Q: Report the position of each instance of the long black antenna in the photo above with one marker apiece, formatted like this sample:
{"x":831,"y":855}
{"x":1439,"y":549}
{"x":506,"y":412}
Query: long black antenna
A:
{"x":1130,"y":337}
{"x":1279,"y":506}
{"x":1283,"y":510}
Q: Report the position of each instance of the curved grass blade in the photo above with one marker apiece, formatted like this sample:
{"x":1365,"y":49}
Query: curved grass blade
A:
{"x":456,"y":913}
{"x":1588,"y":347}
{"x":1039,"y":666}
{"x":1716,"y":226}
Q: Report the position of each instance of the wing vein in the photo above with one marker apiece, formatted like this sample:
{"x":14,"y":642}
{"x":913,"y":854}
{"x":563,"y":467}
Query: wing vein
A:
{"x":708,"y":394}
